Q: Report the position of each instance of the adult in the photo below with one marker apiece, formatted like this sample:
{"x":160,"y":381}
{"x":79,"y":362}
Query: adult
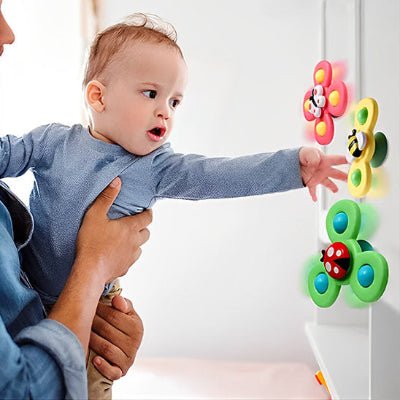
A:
{"x":44,"y":356}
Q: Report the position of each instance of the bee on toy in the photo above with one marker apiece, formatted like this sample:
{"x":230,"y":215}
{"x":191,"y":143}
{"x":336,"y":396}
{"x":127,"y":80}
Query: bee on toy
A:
{"x":317,"y":101}
{"x":355,"y":145}
{"x":366,"y":150}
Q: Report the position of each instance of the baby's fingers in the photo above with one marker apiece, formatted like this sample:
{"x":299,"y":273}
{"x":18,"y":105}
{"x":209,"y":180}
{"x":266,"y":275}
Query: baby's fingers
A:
{"x":330,"y":185}
{"x":337,"y":174}
{"x":313,"y":192}
{"x":334,"y":159}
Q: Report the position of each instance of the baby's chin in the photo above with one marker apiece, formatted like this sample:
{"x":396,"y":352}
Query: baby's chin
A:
{"x":143,"y":150}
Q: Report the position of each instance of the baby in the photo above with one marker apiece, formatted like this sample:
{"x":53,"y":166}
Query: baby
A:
{"x":134,"y":82}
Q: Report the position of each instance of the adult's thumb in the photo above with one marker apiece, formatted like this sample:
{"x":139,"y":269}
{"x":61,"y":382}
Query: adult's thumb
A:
{"x":106,"y":198}
{"x":120,"y":304}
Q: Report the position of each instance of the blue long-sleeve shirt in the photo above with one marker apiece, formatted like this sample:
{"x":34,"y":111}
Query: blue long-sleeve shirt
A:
{"x":40,"y":358}
{"x":71,"y":168}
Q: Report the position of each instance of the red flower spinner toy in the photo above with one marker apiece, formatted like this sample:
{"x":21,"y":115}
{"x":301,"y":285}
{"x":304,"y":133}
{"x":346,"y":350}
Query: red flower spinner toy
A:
{"x":325,"y":100}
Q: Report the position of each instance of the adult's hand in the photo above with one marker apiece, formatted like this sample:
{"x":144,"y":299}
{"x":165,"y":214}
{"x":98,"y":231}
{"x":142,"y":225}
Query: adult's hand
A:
{"x":112,"y":245}
{"x":116,"y":335}
{"x":105,"y":250}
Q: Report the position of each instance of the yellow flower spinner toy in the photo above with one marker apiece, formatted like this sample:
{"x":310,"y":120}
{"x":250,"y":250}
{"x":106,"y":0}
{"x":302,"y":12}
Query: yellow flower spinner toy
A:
{"x":364,"y":149}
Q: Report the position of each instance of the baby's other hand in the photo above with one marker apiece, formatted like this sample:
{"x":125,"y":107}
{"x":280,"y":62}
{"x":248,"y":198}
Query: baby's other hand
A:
{"x":317,"y":168}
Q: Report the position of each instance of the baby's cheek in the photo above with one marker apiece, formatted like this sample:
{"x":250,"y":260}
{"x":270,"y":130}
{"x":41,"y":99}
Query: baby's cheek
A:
{"x":129,"y":143}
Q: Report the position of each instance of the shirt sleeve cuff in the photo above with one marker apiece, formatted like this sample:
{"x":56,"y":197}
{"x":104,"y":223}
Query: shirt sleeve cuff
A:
{"x":64,"y":347}
{"x":294,"y":165}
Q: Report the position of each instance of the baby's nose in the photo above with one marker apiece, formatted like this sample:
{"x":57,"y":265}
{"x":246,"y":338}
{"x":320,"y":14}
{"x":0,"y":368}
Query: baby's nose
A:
{"x":164,"y":112}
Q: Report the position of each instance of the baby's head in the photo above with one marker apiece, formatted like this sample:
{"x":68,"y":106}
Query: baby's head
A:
{"x":135,"y":78}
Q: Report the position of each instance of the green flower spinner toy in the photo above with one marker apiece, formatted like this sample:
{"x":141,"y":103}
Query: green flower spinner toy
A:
{"x":348,"y":260}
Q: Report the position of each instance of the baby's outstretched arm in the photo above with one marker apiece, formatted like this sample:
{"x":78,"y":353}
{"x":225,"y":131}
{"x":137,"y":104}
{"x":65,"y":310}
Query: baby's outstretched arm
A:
{"x":317,"y":168}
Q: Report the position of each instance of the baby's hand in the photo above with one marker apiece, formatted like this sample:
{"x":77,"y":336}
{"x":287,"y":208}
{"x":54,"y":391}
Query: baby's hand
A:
{"x":317,"y":168}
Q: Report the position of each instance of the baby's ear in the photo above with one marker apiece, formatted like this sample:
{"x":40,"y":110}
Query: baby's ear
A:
{"x":94,"y":96}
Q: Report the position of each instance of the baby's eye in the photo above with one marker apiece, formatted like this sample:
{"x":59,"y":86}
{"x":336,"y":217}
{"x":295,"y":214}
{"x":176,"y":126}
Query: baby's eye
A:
{"x":174,"y":103}
{"x":151,"y":94}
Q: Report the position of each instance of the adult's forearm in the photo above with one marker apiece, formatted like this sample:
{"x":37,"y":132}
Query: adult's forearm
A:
{"x":77,"y":303}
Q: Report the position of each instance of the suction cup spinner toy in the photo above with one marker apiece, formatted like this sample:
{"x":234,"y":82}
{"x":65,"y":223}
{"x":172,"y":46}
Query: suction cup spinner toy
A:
{"x":327,"y":99}
{"x":364,"y":149}
{"x":347,"y":260}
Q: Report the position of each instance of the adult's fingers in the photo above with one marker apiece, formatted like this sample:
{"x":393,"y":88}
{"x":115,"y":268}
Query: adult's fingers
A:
{"x":140,"y":221}
{"x":109,"y":352}
{"x":110,"y":321}
{"x":124,"y":305}
{"x":130,"y":306}
{"x":120,"y":304}
{"x":144,"y":236}
{"x":111,"y":372}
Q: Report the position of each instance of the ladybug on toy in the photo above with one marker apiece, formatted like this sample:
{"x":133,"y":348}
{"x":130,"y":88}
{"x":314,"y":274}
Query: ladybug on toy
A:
{"x":348,"y":260}
{"x":336,"y":260}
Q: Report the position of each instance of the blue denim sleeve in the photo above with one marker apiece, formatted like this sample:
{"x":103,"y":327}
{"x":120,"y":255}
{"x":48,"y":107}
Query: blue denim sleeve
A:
{"x":196,"y":177}
{"x":44,"y":361}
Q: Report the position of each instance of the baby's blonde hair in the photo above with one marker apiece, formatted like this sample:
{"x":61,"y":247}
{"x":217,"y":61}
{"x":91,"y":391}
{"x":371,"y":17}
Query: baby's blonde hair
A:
{"x":107,"y":46}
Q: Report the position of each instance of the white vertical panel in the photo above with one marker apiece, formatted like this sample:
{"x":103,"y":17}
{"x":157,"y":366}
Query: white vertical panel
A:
{"x":385,"y":352}
{"x":381,"y":62}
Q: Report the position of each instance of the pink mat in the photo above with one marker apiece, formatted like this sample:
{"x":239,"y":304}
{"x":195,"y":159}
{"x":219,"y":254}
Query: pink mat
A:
{"x":186,"y":379}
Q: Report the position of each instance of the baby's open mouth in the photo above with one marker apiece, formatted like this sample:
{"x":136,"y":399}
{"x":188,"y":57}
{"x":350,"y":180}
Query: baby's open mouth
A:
{"x":156,"y":133}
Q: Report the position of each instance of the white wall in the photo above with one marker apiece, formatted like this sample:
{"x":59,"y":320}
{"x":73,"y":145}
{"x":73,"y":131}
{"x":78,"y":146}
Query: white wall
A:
{"x":40,"y":73}
{"x":221,"y":279}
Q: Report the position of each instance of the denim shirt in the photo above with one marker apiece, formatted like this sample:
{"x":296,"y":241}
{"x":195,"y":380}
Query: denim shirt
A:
{"x":41,"y":358}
